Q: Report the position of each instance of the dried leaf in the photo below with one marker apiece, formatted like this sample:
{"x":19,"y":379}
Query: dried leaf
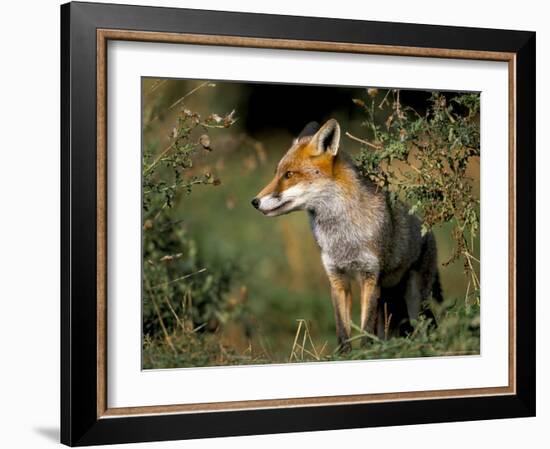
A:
{"x":204,"y":140}
{"x":170,"y":257}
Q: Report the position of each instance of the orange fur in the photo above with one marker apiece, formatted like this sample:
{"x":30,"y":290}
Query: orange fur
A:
{"x":304,"y":165}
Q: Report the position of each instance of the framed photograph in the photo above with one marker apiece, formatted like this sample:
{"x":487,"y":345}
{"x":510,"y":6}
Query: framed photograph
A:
{"x":283,"y":224}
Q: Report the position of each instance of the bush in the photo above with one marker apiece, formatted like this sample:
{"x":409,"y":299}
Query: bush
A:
{"x":422,"y":158}
{"x":181,"y":292}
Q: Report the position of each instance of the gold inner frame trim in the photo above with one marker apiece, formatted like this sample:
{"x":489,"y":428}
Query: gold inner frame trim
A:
{"x":104,"y":35}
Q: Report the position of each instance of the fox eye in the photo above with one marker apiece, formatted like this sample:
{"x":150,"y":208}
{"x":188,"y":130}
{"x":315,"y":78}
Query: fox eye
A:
{"x":289,"y":174}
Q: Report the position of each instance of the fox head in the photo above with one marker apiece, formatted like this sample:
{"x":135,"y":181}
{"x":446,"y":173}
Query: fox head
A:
{"x":304,"y":173}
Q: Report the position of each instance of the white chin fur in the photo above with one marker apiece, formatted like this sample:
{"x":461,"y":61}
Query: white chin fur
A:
{"x":287,"y":202}
{"x":274,"y":208}
{"x":284,"y":209}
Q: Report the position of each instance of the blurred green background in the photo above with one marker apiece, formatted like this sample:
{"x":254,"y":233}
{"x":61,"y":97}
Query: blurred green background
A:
{"x":279,"y":276}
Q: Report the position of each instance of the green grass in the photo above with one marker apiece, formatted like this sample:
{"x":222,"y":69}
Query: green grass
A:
{"x":457,"y":333}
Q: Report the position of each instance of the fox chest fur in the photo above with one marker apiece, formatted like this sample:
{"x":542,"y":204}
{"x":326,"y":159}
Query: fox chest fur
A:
{"x":348,"y":240}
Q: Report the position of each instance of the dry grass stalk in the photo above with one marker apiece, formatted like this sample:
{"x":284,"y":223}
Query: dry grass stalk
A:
{"x":298,"y":350}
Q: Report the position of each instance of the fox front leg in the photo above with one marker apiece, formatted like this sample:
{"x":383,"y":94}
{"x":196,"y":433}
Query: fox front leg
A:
{"x":370,"y":295}
{"x":341,"y":302}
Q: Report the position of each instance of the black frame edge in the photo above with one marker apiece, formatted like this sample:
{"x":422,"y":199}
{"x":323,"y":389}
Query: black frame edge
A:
{"x":79,"y":423}
{"x":65,"y":405}
{"x":302,"y":419}
{"x":526,"y":222}
{"x":78,"y":217}
{"x":178,"y":20}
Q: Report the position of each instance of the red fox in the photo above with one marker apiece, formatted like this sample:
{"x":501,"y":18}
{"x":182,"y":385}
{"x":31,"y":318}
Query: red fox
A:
{"x":361,"y":234}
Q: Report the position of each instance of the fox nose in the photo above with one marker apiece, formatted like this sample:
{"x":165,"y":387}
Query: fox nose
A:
{"x":255,"y":202}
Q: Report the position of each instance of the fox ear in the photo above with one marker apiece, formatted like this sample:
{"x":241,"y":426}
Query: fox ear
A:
{"x":327,"y":139}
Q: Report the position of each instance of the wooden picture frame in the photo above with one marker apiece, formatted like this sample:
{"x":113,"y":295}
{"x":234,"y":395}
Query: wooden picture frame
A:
{"x":85,"y":416}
